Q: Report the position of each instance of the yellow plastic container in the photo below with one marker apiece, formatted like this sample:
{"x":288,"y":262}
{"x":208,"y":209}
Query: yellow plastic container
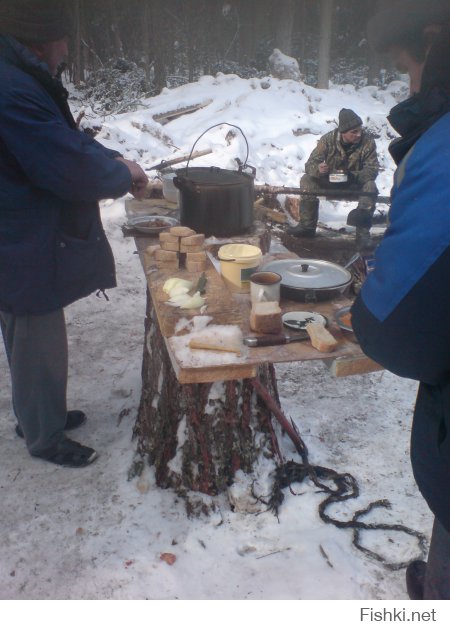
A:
{"x":237,"y":263}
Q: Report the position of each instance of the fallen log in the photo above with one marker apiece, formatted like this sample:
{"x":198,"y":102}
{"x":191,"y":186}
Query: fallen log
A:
{"x":166,"y":117}
{"x":181,"y":158}
{"x":265,"y":189}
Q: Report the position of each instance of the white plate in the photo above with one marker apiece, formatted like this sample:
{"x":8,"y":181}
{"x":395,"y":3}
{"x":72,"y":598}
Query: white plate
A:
{"x":297,"y":320}
{"x":140,"y":223}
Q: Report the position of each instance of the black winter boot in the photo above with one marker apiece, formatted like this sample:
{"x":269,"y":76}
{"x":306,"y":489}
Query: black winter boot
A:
{"x":415,"y":579}
{"x":309,"y":215}
{"x":360,"y":217}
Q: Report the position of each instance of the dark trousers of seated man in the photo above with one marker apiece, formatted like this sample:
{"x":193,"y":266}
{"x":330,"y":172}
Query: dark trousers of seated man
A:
{"x":309,"y":205}
{"x":36,"y":349}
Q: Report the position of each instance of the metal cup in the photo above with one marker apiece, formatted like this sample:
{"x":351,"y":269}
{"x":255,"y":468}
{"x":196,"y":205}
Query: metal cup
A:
{"x":265,"y":286}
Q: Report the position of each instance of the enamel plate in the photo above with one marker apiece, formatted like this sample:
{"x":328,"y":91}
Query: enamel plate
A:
{"x":343,"y":318}
{"x":151,"y":224}
{"x":297,"y":320}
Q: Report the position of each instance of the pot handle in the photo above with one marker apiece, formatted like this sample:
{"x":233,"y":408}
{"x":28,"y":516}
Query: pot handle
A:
{"x":212,"y":127}
{"x":244,"y":166}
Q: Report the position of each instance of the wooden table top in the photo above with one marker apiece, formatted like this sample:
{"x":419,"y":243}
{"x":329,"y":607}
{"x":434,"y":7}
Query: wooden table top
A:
{"x":227,"y":308}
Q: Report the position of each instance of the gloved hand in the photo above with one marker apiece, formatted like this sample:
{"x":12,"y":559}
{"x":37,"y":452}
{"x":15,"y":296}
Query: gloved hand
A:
{"x":360,"y":217}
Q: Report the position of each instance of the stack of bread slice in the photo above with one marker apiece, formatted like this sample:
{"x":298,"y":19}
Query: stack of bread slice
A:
{"x":179,"y":247}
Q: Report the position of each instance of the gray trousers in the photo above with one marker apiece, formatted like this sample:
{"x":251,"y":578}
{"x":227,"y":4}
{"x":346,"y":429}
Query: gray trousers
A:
{"x":437,"y":577}
{"x":36,"y":348}
{"x":314,"y":185}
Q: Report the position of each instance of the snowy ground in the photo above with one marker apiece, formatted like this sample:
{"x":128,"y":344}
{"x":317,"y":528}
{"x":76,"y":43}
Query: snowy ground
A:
{"x":92,"y":534}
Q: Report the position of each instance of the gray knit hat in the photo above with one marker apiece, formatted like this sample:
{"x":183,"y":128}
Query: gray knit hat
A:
{"x":404,"y":21}
{"x":348,"y":120}
{"x":35,"y":20}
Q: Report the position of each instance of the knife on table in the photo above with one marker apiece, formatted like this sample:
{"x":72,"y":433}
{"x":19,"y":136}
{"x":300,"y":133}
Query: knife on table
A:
{"x":275,"y":340}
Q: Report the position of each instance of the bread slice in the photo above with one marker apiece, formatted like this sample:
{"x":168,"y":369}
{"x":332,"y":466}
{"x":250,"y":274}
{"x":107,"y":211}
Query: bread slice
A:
{"x":321,"y":338}
{"x":167,"y":237}
{"x":265,"y":317}
{"x":189,"y":249}
{"x":170,"y":246}
{"x":194,"y":239}
{"x":181,"y":230}
{"x":149,"y":255}
{"x":196,"y":256}
{"x":166,"y":256}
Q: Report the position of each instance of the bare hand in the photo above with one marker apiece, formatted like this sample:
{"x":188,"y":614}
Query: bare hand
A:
{"x":324,"y":168}
{"x":138,"y":177}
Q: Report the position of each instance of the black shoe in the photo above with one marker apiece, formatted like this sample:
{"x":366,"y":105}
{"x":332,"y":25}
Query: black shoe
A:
{"x":74,"y":420}
{"x":69,"y":454}
{"x":415,"y":579}
{"x":298,"y":230}
{"x":360,"y":217}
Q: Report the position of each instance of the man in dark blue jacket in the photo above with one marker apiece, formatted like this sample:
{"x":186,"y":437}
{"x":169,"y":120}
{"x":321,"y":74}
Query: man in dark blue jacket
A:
{"x":402,"y":314}
{"x":53,"y":249}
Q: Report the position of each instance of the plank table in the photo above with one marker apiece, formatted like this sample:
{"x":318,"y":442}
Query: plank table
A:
{"x":218,"y":439}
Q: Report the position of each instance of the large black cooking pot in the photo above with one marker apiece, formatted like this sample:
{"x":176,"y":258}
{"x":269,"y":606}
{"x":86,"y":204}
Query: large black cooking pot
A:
{"x":216,"y":201}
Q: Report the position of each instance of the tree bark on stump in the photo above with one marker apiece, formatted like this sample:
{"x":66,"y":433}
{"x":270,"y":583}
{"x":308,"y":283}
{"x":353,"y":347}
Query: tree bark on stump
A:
{"x":197,"y":436}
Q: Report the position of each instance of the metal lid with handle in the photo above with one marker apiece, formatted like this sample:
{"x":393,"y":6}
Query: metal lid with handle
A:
{"x":309,"y":273}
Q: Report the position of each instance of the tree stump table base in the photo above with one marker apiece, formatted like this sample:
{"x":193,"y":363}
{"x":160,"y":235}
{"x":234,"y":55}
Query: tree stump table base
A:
{"x":196,"y":436}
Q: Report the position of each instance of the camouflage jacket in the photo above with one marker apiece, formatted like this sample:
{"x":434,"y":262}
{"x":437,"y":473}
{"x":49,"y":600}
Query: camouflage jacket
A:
{"x":359,"y":159}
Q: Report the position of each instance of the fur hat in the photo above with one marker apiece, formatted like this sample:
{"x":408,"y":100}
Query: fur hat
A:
{"x":35,"y":20}
{"x":404,"y":21}
{"x":348,"y":120}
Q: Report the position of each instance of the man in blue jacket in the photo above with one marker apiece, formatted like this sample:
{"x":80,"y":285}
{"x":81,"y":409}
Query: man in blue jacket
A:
{"x":402,"y":314}
{"x":53,"y":249}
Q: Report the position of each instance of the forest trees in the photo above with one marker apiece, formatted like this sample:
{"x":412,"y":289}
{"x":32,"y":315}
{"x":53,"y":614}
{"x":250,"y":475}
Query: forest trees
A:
{"x":175,"y":41}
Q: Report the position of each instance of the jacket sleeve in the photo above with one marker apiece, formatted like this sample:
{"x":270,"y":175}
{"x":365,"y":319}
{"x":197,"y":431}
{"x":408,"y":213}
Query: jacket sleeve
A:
{"x":317,"y":156}
{"x":65,"y":161}
{"x":414,"y":340}
{"x":370,"y":165}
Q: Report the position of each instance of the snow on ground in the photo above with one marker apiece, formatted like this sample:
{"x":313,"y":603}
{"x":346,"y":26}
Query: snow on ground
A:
{"x":91,"y":533}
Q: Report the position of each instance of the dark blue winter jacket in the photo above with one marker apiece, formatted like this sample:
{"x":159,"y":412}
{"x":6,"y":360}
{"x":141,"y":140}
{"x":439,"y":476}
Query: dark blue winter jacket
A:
{"x":402,"y":315}
{"x":53,"y":249}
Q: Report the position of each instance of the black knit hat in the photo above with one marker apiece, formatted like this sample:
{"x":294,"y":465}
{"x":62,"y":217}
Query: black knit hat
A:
{"x":348,"y":120}
{"x":404,"y":21}
{"x":35,"y":20}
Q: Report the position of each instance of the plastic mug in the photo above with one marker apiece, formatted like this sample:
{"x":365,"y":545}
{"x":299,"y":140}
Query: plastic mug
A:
{"x":265,"y":286}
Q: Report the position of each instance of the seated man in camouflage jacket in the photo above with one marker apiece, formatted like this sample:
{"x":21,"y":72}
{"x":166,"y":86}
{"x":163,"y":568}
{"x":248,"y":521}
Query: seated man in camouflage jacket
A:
{"x":350,"y":149}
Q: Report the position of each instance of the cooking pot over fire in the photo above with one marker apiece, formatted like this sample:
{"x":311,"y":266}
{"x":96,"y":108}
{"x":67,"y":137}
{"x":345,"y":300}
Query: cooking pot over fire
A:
{"x":216,"y":201}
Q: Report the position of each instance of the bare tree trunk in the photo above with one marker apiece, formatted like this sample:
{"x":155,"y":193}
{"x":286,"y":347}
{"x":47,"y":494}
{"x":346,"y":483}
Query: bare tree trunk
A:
{"x":146,"y":39}
{"x":78,"y":70}
{"x":159,"y":43}
{"x":283,"y":37}
{"x":326,"y":21}
{"x":118,"y":46}
{"x":302,"y":21}
{"x":374,"y":59}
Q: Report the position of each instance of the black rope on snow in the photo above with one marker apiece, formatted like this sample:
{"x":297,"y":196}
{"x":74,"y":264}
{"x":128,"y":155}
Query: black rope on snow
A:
{"x":100,"y":293}
{"x":346,"y":488}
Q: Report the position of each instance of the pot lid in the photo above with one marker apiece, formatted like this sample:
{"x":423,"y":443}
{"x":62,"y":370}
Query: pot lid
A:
{"x":238,"y":252}
{"x":211,"y":176}
{"x":309,"y":273}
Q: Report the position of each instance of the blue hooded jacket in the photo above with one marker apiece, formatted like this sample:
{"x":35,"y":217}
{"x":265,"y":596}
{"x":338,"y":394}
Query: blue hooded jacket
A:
{"x":53,"y":249}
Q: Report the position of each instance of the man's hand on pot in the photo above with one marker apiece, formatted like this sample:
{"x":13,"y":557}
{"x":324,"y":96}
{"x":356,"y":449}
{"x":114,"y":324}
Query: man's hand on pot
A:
{"x":138,"y":177}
